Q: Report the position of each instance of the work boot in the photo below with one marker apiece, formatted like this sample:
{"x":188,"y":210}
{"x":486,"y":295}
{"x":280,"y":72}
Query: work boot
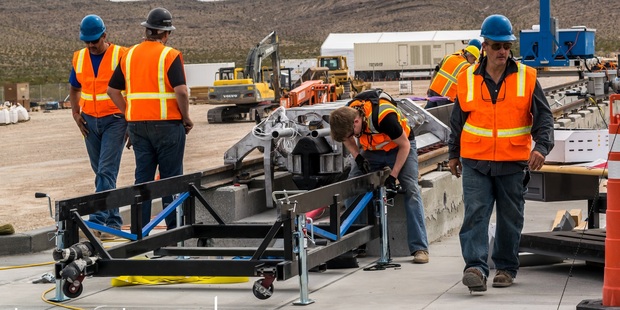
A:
{"x":503,"y":278}
{"x":420,"y":257}
{"x":474,"y":280}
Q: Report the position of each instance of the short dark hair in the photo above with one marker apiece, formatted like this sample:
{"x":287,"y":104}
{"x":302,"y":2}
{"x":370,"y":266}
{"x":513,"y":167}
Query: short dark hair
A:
{"x":154,"y":34}
{"x":341,"y":122}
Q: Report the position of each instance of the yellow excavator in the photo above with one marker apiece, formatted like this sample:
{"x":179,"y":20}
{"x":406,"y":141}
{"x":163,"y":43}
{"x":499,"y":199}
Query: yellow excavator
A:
{"x":244,"y":93}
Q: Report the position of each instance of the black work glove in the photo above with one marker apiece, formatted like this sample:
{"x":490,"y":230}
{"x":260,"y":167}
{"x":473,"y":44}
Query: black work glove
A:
{"x":390,"y":187}
{"x":362,"y":163}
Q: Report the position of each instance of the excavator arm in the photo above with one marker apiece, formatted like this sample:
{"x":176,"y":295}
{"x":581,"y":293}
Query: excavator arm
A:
{"x":267,"y":47}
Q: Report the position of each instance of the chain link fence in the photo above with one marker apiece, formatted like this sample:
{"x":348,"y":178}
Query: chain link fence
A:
{"x":46,"y":92}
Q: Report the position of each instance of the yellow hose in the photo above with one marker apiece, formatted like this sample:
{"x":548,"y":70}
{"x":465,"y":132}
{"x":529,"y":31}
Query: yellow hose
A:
{"x":161,"y":280}
{"x":27,"y":266}
{"x":56,"y":303}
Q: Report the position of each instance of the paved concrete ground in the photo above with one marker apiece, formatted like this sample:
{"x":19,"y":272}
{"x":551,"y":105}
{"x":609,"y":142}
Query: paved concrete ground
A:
{"x":436,"y":285}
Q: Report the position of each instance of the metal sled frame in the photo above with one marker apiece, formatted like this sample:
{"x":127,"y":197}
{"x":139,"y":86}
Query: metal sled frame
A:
{"x":291,"y":226}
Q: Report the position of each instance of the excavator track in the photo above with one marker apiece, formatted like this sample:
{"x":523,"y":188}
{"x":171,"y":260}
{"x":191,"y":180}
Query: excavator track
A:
{"x":239,"y":113}
{"x":226,"y":114}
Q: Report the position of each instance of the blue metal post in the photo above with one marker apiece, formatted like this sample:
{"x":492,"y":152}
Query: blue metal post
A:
{"x":545,"y":41}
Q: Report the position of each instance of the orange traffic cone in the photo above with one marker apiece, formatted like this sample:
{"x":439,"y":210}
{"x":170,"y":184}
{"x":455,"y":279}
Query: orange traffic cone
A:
{"x":611,"y":282}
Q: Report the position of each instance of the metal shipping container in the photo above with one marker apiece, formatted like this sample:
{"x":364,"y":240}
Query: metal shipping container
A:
{"x":401,"y":60}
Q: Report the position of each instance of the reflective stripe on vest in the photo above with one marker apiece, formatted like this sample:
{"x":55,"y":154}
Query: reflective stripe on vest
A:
{"x":86,"y":96}
{"x":450,"y":76}
{"x":498,"y":131}
{"x":80,"y":61}
{"x":94,"y":99}
{"x":445,"y":80}
{"x":501,"y":133}
{"x":374,"y":140}
{"x":161,"y":95}
{"x":520,"y":82}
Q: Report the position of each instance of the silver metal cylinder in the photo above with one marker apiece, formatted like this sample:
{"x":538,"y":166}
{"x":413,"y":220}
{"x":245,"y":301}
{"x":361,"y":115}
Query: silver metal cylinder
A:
{"x":282,"y":133}
{"x":320,"y":132}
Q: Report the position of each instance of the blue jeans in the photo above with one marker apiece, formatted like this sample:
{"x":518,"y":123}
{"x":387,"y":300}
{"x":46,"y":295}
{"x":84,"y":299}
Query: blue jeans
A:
{"x":104,"y":143}
{"x":480,"y":193}
{"x":157,"y":145}
{"x":408,"y":178}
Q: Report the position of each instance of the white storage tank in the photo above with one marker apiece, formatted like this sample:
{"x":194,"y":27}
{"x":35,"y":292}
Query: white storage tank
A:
{"x":22,"y":114}
{"x":13,"y":114}
{"x":5,"y":118}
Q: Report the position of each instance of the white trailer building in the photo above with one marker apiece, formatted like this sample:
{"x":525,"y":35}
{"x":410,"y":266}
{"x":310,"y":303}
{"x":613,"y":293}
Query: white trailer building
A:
{"x":396,"y":55}
{"x":203,"y":74}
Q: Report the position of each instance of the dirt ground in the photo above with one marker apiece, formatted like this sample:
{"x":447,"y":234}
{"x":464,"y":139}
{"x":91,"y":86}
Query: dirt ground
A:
{"x":47,"y":154}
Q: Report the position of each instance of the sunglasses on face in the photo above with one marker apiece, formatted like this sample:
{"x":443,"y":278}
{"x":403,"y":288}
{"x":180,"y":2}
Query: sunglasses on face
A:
{"x":497,"y":46}
{"x":93,"y":42}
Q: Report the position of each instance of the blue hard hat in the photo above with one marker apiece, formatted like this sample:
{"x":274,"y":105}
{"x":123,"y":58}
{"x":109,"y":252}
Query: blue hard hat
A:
{"x":91,"y":28}
{"x":476,"y":43}
{"x":497,"y":28}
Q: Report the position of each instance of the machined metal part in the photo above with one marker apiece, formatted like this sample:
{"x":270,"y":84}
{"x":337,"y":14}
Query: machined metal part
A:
{"x":281,"y":137}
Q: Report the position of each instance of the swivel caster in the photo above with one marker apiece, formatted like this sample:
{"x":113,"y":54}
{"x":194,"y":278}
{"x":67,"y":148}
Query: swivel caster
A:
{"x":262,"y":292}
{"x":72,"y":290}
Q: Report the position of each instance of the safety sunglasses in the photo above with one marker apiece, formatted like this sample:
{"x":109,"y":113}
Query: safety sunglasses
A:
{"x":93,"y":42}
{"x":497,"y":46}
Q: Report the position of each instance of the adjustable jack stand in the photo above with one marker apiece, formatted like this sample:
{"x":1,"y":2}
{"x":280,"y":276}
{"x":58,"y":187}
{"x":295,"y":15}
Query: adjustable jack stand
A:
{"x":384,"y":261}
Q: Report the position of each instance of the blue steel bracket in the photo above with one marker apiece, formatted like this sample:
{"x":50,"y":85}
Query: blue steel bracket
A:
{"x":364,"y":185}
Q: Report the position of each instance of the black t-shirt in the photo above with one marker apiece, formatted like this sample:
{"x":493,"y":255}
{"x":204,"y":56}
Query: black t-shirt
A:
{"x":176,"y":75}
{"x":390,"y":125}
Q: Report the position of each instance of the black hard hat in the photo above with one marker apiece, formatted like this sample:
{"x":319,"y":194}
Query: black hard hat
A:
{"x":160,"y":19}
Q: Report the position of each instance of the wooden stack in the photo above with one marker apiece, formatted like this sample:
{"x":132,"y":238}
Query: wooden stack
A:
{"x":199,"y":94}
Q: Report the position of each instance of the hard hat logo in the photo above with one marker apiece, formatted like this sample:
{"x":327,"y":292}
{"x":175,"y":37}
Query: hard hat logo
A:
{"x":91,"y":28}
{"x":159,"y":19}
{"x":497,"y":28}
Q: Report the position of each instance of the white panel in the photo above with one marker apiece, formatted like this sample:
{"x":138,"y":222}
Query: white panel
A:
{"x":613,"y":170}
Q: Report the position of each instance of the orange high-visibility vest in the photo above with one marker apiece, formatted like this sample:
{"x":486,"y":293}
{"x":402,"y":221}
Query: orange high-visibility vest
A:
{"x":445,"y":80}
{"x":501,"y":131}
{"x":371,"y":139}
{"x":150,"y":97}
{"x":94,"y":100}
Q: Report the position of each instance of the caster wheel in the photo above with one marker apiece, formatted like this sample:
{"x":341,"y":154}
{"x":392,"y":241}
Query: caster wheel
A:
{"x":72,"y":291}
{"x":260,"y":291}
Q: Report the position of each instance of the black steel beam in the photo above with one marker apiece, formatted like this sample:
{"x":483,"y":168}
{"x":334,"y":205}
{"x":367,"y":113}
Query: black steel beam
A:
{"x":217,"y":251}
{"x":233,"y":231}
{"x":583,"y":245}
{"x":175,"y":267}
{"x":125,"y":196}
{"x":322,"y":196}
{"x":151,"y":242}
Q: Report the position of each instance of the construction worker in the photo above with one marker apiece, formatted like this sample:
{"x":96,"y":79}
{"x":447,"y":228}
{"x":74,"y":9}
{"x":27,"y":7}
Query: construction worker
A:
{"x":389,"y":142}
{"x":442,"y":90}
{"x":101,"y":123}
{"x":157,"y":104}
{"x":500,"y":108}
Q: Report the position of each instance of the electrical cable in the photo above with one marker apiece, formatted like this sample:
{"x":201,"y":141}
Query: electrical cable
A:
{"x":26,"y":266}
{"x":56,"y":303}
